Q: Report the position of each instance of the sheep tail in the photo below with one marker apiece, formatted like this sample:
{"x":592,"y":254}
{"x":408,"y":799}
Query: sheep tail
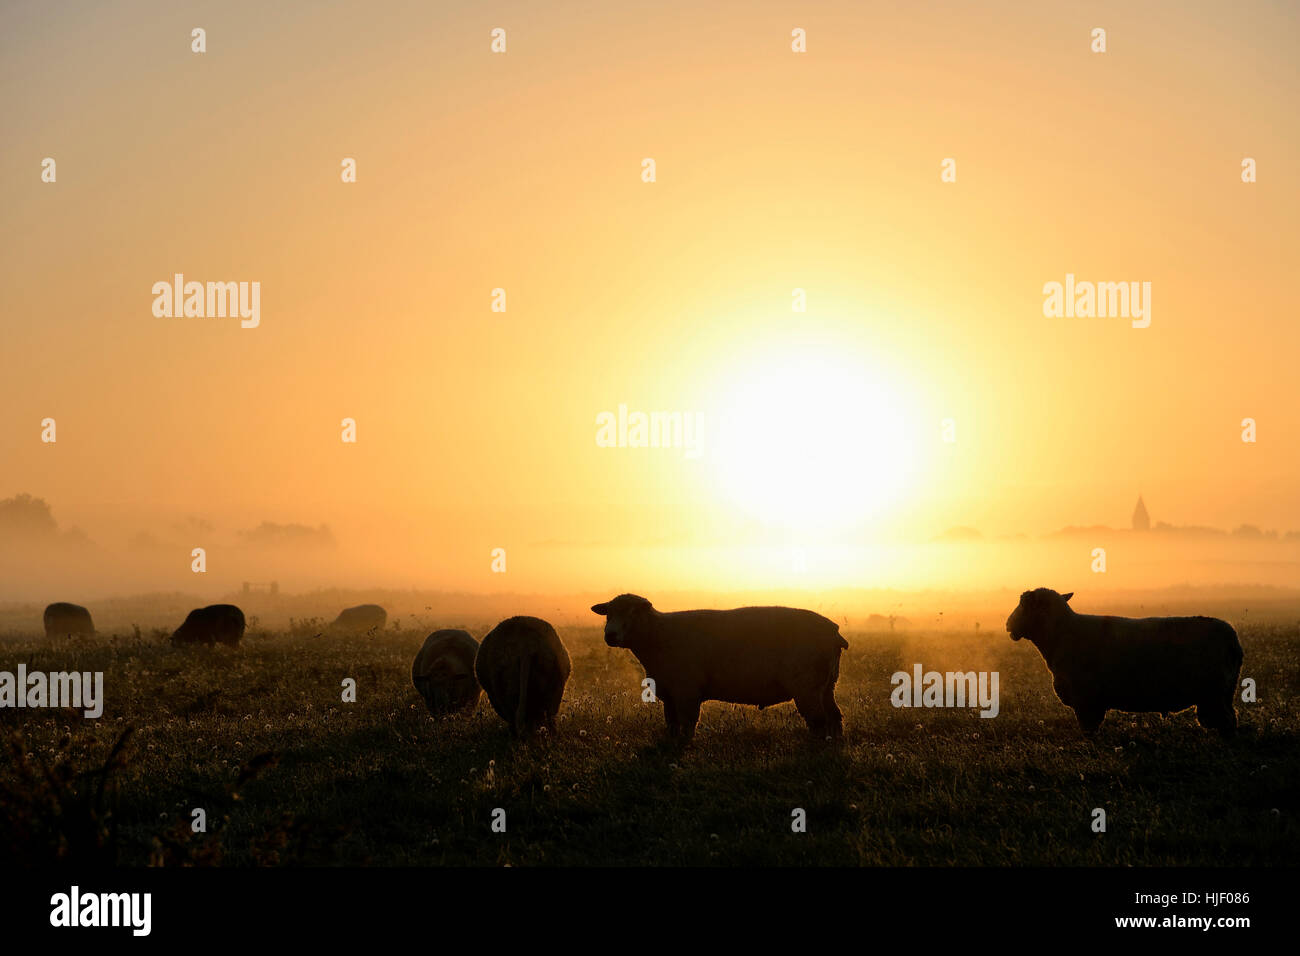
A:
{"x":522,"y":710}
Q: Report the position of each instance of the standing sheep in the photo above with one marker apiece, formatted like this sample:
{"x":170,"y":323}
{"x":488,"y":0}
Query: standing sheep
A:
{"x":443,"y":672}
{"x":749,"y":655}
{"x":65,"y":620}
{"x":362,"y":619}
{"x":214,"y":624}
{"x":1164,"y":664}
{"x":523,"y":666}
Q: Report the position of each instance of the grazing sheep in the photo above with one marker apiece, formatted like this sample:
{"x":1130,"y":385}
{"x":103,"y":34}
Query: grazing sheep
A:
{"x":361,"y":619}
{"x":65,"y":620}
{"x":1163,"y":664}
{"x":443,"y":672}
{"x":214,"y":624}
{"x":523,"y":666}
{"x":749,"y":655}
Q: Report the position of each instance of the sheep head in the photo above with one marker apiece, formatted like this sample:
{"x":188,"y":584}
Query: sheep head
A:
{"x":447,"y":686}
{"x":624,"y":617}
{"x":1038,"y":613}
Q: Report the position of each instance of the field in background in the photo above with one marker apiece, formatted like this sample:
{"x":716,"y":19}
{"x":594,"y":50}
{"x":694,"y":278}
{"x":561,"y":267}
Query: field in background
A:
{"x":288,"y":774}
{"x":854,"y":609}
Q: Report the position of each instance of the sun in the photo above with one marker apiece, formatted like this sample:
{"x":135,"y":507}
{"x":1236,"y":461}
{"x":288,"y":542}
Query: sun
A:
{"x":810,"y":438}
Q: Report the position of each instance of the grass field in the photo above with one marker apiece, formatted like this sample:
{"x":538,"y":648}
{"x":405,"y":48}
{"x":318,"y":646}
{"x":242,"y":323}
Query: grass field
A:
{"x":289,"y":774}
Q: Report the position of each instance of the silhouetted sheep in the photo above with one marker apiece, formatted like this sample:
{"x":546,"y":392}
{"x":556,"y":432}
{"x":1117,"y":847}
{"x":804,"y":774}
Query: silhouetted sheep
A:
{"x":65,"y":620}
{"x":749,"y":655}
{"x":443,"y":672}
{"x":1163,"y":664}
{"x":214,"y":624}
{"x":522,"y":666}
{"x":360,"y":619}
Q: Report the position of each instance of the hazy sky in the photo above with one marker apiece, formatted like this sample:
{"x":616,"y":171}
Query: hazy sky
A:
{"x":775,"y":171}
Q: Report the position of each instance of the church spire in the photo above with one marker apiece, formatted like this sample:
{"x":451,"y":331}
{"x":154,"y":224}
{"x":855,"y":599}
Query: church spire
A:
{"x":1141,"y":520}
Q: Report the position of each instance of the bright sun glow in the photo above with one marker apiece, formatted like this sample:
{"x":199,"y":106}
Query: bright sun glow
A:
{"x":810,"y":439}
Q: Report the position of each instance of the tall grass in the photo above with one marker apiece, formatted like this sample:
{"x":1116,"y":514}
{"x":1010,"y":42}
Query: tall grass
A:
{"x":286,"y":773}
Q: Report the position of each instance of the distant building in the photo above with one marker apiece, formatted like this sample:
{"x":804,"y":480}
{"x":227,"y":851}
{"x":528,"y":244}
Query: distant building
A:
{"x":1141,"y":520}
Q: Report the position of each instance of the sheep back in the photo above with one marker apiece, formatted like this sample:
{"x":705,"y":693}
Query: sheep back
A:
{"x":64,"y":620}
{"x":1146,"y":664}
{"x":522,"y":666}
{"x":360,"y":619}
{"x":214,"y":624}
{"x":750,"y":655}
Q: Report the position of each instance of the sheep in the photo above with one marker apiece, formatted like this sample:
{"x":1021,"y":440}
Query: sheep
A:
{"x":522,"y":665}
{"x":443,"y":672}
{"x":65,"y":620}
{"x":361,"y":619}
{"x":1164,"y":664}
{"x":214,"y":624}
{"x":748,"y":655}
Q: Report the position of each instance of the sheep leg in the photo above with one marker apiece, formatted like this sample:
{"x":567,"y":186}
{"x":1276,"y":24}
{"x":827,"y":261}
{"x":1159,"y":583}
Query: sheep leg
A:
{"x":1217,"y":717}
{"x":688,"y":715}
{"x":521,"y":712}
{"x":1090,"y":718}
{"x":670,"y":717}
{"x":812,"y":709}
{"x":835,"y":719}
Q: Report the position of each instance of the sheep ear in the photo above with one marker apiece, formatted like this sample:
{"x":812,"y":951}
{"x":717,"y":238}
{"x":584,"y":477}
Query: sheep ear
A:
{"x":1067,"y":597}
{"x":601,"y":608}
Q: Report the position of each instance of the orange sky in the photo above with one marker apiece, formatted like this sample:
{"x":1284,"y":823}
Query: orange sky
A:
{"x":775,"y":171}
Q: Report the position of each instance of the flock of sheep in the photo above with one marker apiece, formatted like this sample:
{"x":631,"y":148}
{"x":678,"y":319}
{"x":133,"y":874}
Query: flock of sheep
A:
{"x":770,"y":655}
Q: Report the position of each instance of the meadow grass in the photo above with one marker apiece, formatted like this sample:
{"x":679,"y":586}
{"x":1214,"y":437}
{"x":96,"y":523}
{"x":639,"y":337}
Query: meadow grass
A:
{"x":287,"y":773}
